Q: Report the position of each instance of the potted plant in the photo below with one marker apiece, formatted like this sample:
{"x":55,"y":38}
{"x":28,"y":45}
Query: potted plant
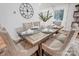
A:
{"x":45,"y":17}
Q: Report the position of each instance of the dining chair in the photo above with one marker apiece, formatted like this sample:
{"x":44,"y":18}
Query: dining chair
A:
{"x":17,"y":49}
{"x":27,"y":25}
{"x":2,"y":46}
{"x":2,"y":41}
{"x":58,"y":23}
{"x":36,"y":24}
{"x":26,"y":49}
{"x":56,"y":45}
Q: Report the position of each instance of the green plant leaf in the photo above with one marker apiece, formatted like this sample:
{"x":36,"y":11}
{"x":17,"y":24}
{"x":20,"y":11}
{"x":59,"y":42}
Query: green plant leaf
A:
{"x":45,"y":18}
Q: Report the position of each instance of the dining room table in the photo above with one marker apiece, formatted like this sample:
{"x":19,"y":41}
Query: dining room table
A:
{"x":38,"y":36}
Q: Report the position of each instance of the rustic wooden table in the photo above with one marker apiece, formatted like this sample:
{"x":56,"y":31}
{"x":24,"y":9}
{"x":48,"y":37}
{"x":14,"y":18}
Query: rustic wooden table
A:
{"x":38,"y":38}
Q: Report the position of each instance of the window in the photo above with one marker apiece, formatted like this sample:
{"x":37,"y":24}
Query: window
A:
{"x":58,"y":15}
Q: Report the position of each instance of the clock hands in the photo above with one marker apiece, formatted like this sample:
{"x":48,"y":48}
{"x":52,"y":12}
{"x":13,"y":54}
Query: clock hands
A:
{"x":27,"y":10}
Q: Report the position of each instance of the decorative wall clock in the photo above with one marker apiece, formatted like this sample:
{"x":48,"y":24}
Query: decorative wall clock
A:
{"x":26,"y":10}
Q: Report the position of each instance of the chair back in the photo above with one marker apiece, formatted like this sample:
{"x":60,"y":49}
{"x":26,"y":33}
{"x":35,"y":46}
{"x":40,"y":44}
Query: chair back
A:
{"x":36,"y":24}
{"x":70,"y":35}
{"x":27,"y":25}
{"x":9,"y":42}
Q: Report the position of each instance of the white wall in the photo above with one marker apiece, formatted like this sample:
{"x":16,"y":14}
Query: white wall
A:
{"x":12,"y":21}
{"x":69,"y":18}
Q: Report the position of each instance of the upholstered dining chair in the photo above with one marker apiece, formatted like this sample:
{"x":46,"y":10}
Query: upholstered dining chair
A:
{"x":58,"y":23}
{"x":56,"y":45}
{"x":2,"y":46}
{"x":27,"y":25}
{"x":22,"y":48}
{"x":36,"y":24}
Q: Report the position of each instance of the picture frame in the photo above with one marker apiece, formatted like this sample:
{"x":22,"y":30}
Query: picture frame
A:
{"x":59,"y":14}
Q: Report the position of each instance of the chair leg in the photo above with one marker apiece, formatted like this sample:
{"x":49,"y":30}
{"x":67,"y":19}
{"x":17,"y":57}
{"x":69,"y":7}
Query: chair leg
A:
{"x":45,"y":53}
{"x":37,"y":53}
{"x":42,"y":52}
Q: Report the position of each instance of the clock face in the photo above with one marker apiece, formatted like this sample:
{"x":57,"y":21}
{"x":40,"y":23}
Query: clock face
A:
{"x":26,"y":10}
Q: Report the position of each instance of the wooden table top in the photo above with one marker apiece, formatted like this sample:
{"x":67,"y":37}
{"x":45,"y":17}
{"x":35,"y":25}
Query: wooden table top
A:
{"x":37,"y":38}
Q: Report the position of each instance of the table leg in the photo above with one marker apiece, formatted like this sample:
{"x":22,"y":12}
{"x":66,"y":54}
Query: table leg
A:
{"x":40,"y":49}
